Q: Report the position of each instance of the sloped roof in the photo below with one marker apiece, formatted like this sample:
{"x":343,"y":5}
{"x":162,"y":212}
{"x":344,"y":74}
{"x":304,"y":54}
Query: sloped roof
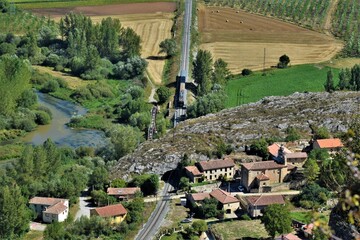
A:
{"x":194,"y":170}
{"x":223,"y":196}
{"x":122,"y":191}
{"x":308,"y":228}
{"x":262,"y":177}
{"x":46,"y":200}
{"x":263,"y":165}
{"x":216,"y":164}
{"x":265,"y":200}
{"x":200,"y":196}
{"x":330,"y":143}
{"x":273,"y":149}
{"x":111,"y":211}
{"x":296,"y":155}
{"x":288,"y":236}
{"x":56,"y":209}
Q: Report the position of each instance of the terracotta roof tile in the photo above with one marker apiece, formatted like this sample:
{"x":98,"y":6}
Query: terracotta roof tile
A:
{"x":111,"y":211}
{"x":308,"y":228}
{"x":296,"y":155}
{"x":122,"y":191}
{"x":262,"y":177}
{"x":216,"y":164}
{"x":46,"y":200}
{"x":288,"y":236}
{"x":200,"y":196}
{"x":263,"y":165}
{"x":274,"y":149}
{"x":223,"y":196}
{"x":265,"y":200}
{"x":56,"y":209}
{"x":329,"y":143}
{"x":194,"y":170}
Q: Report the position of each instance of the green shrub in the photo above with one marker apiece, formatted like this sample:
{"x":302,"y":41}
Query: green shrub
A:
{"x":42,"y":118}
{"x":246,"y":72}
{"x":62,"y":83}
{"x":50,"y":86}
{"x":245,"y":217}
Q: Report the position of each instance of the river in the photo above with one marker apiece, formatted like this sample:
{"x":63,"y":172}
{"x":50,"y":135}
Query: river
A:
{"x":58,"y":131}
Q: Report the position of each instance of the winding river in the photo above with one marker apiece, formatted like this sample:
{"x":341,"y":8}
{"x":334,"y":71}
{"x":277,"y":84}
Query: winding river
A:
{"x":58,"y":131}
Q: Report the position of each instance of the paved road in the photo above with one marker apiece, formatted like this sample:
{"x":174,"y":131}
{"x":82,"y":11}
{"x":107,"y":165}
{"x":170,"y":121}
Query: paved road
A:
{"x":84,"y":210}
{"x":154,"y":222}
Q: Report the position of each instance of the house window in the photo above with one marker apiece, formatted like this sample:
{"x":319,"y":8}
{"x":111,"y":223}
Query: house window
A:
{"x":53,"y":216}
{"x":46,"y":214}
{"x":210,"y":177}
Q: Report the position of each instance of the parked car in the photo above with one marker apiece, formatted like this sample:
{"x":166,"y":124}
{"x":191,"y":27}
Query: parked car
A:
{"x":241,"y":188}
{"x":186,"y":220}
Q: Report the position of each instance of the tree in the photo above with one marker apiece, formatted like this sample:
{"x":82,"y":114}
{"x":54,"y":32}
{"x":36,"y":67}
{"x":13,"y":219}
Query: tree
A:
{"x":260,"y":148}
{"x":202,"y":71}
{"x":329,"y":84}
{"x":277,"y":219}
{"x":125,"y":139}
{"x":221,"y":72}
{"x":284,"y":60}
{"x":151,"y":185}
{"x":184,"y":183}
{"x":99,"y":178}
{"x":344,"y":79}
{"x":209,"y":103}
{"x":163,"y":94}
{"x":292,"y":134}
{"x":312,"y":170}
{"x":321,"y":133}
{"x":130,"y":42}
{"x":14,"y":214}
{"x":55,"y":231}
{"x":313,"y":196}
{"x":169,"y":47}
{"x":199,"y":226}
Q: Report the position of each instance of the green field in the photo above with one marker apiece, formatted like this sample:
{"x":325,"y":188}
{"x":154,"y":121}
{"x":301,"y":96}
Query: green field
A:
{"x":75,"y":3}
{"x":240,"y":229}
{"x":277,"y":82}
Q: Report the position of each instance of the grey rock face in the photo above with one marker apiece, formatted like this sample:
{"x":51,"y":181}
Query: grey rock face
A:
{"x":238,"y":126}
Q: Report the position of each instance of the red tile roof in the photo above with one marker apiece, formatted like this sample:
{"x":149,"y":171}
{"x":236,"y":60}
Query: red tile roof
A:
{"x":122,"y":191}
{"x":308,"y":228}
{"x":56,"y":209}
{"x":274,"y":149}
{"x":265,"y":200}
{"x":216,"y":164}
{"x":263,"y":165}
{"x":46,"y":200}
{"x":223,"y":196}
{"x":262,"y":177}
{"x":194,"y":170}
{"x":288,"y":236}
{"x":296,"y":155}
{"x":200,"y":196}
{"x":111,"y":211}
{"x":330,"y":143}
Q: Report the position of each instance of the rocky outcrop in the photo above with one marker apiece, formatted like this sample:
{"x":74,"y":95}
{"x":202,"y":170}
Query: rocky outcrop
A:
{"x":239,"y":126}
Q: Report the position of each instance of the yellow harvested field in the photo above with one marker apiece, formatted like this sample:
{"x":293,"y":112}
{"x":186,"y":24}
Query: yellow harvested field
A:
{"x":241,"y":39}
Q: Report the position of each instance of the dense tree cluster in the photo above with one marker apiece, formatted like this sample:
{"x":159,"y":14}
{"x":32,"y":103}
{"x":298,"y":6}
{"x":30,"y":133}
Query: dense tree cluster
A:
{"x":277,"y":219}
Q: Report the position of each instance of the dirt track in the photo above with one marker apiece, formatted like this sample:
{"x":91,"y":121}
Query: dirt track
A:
{"x":240,"y":39}
{"x":115,"y":9}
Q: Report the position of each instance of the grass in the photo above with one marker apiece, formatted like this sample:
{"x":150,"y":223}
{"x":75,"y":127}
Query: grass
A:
{"x":75,"y":3}
{"x":33,"y":235}
{"x":232,"y":230}
{"x":277,"y":82}
{"x":306,"y":216}
{"x":177,"y":213}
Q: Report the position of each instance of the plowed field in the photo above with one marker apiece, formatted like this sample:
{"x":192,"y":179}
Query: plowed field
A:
{"x":241,"y":39}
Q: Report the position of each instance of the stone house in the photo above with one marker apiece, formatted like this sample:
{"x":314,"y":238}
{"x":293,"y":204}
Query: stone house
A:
{"x":193,"y":173}
{"x":215,"y":169}
{"x":123,"y":194}
{"x":50,"y":209}
{"x":255,"y":205}
{"x":227,"y":202}
{"x":332,"y":145}
{"x":297,"y":159}
{"x":116,"y":213}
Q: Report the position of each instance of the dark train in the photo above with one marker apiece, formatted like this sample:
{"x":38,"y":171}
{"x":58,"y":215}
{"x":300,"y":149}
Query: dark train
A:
{"x":181,"y":90}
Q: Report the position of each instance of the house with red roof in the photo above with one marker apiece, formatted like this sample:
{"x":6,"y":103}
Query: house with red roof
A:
{"x":332,"y":145}
{"x":214,"y":169}
{"x":50,"y":209}
{"x":115,"y":213}
{"x":227,"y":202}
{"x":288,"y":236}
{"x":193,"y":173}
{"x":258,"y":176}
{"x":123,"y":194}
{"x":295,"y":158}
{"x":256,"y":204}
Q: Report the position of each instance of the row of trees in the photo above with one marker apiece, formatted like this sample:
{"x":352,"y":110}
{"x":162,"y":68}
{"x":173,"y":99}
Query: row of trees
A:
{"x":349,"y":79}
